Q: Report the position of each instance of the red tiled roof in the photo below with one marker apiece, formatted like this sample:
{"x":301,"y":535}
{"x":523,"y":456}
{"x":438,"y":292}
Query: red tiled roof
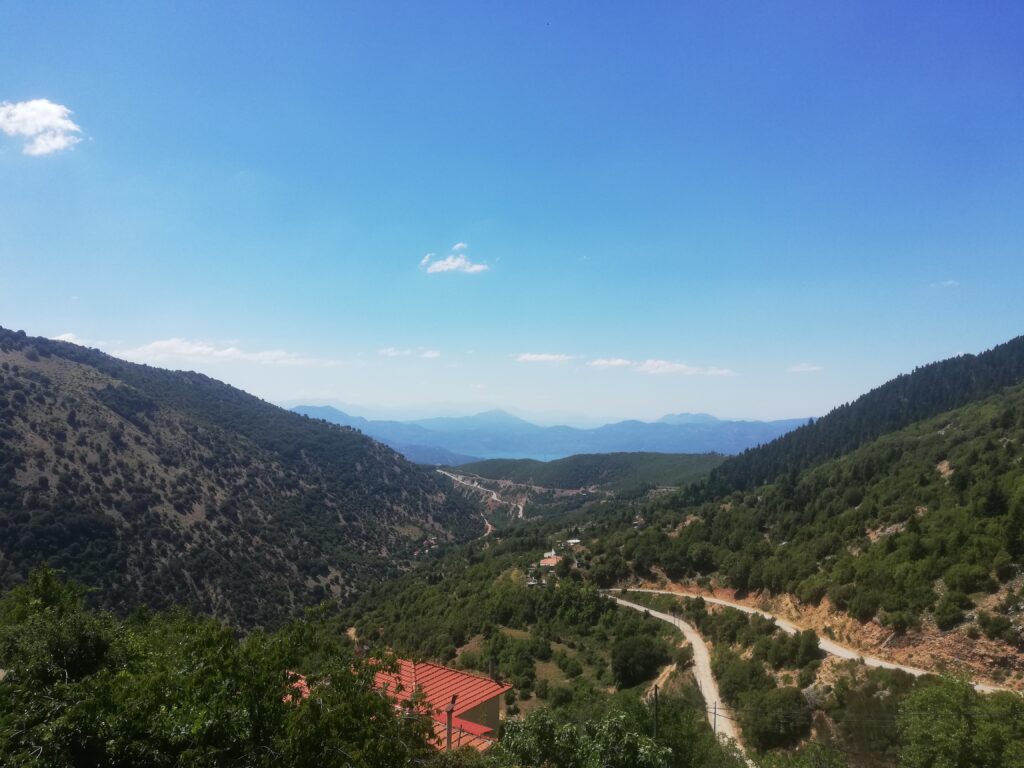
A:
{"x":550,"y":562}
{"x":437,"y":684}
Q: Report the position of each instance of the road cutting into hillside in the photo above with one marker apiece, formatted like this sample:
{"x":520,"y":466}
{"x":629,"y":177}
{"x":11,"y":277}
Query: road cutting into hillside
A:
{"x":827,"y":645}
{"x":517,"y":508}
{"x":720,"y":716}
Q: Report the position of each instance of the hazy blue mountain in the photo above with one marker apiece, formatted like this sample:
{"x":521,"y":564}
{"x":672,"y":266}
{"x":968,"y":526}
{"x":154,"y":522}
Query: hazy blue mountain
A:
{"x":688,"y":418}
{"x":497,"y":434}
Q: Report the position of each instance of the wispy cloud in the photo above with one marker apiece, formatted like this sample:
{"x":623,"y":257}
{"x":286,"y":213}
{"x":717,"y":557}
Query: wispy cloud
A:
{"x":945,"y":284}
{"x":541,"y":357}
{"x":613,"y":362}
{"x":426,"y":354}
{"x":169,"y":350}
{"x":805,"y":368}
{"x":657,"y":367}
{"x":456,"y":261}
{"x":74,"y":338}
{"x":46,"y":127}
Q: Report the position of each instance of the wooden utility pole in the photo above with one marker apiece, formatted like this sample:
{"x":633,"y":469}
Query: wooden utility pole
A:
{"x":714,"y":721}
{"x":655,"y":711}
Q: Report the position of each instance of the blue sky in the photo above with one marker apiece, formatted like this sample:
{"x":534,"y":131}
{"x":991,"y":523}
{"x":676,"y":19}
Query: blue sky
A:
{"x":756,"y":210}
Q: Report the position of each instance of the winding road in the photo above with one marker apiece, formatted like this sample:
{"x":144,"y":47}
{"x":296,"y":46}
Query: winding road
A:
{"x":826,"y":644}
{"x":720,"y":716}
{"x":476,"y":486}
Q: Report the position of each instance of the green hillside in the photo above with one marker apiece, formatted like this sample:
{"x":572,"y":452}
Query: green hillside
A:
{"x":614,"y":471}
{"x":933,"y":510}
{"x":926,"y":392}
{"x":160,"y":487}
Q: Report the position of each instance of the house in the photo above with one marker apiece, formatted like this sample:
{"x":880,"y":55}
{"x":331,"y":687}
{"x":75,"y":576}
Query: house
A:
{"x":550,"y":562}
{"x":475,"y":701}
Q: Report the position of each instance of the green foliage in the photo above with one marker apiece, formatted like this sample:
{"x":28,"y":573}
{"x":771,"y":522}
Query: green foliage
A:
{"x":946,"y":724}
{"x":85,"y":689}
{"x":635,"y":659}
{"x":929,"y":509}
{"x":865,"y":708}
{"x":778,"y":717}
{"x":128,"y":477}
{"x":611,"y":742}
{"x":928,"y":391}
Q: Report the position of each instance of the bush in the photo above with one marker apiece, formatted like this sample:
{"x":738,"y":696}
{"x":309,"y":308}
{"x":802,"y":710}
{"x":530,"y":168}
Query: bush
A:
{"x":635,"y":659}
{"x":775,"y":718}
{"x":948,"y":612}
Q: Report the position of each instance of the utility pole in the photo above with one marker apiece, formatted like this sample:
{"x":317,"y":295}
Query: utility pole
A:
{"x":714,"y":722}
{"x":655,"y":711}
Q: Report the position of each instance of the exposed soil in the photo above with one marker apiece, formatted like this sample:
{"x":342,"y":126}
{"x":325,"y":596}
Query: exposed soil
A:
{"x":983,"y":660}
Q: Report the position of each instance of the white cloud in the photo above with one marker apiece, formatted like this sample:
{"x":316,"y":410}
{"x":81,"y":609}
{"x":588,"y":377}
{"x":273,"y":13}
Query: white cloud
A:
{"x":167,"y":350}
{"x":614,"y":362}
{"x":946,"y":284}
{"x":666,"y":366}
{"x":454,"y":263}
{"x":805,"y":368}
{"x":430,"y":354}
{"x":47,"y":127}
{"x":393,"y":352}
{"x":541,"y":357}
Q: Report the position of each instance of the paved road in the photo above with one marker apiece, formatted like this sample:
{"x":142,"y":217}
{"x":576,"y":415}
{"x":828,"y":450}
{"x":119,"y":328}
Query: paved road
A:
{"x":720,"y":716}
{"x":826,"y":644}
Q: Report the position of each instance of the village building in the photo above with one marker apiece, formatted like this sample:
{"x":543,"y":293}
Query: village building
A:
{"x":472,"y":702}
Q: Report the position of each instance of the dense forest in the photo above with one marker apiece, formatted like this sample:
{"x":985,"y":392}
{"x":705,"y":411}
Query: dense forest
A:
{"x":926,"y":392}
{"x":160,"y":487}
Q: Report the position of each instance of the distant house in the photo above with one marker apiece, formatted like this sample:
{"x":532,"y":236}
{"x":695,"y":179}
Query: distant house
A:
{"x":477,"y":709}
{"x":550,"y":562}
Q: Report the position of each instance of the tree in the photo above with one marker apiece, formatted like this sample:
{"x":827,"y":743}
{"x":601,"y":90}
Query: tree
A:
{"x":635,"y":659}
{"x":775,"y":718}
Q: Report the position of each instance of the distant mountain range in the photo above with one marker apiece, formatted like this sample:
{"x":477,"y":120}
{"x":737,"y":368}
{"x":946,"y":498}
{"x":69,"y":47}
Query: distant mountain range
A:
{"x":500,"y":435}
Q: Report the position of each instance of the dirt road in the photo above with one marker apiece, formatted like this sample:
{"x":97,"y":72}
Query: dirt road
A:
{"x":826,"y":644}
{"x":518,"y":508}
{"x":720,"y":716}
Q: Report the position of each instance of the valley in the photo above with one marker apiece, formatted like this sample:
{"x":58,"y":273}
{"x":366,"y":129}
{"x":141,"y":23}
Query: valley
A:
{"x":881,"y":565}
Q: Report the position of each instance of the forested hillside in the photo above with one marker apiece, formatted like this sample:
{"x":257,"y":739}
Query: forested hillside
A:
{"x":614,"y":471}
{"x":927,"y":391}
{"x":924,"y":522}
{"x":160,"y":487}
